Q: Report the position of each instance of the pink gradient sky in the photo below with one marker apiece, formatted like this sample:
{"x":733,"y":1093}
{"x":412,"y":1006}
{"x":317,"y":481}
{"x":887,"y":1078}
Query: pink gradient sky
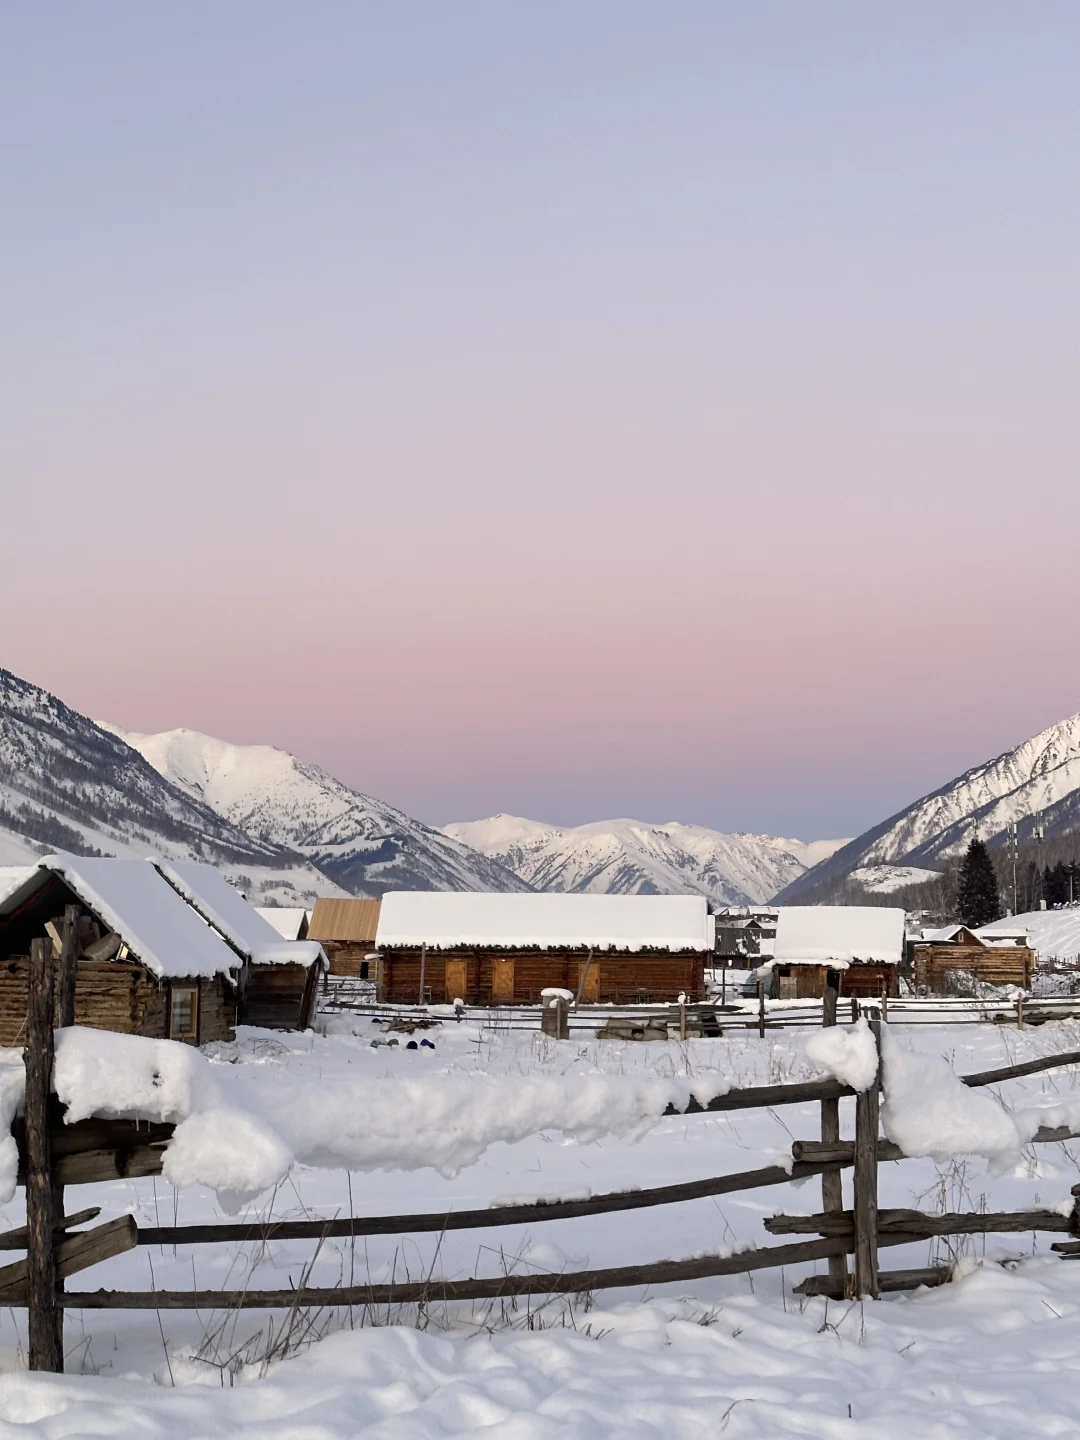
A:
{"x":573,"y":410}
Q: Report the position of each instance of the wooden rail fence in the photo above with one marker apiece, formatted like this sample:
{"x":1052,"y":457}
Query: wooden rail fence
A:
{"x":54,"y":1155}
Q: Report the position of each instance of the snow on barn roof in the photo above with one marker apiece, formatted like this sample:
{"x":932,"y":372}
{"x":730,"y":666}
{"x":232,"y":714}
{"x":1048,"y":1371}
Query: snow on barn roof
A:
{"x":1052,"y":934}
{"x":839,"y":935}
{"x":443,"y":920}
{"x":288,"y":921}
{"x":159,"y":928}
{"x":13,"y":878}
{"x":218,"y":902}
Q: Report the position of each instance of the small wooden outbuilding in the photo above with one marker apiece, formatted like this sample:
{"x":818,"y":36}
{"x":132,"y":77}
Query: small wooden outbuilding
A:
{"x":147,"y":963}
{"x":347,"y":930}
{"x":278,"y":979}
{"x":1003,"y":959}
{"x":503,"y":949}
{"x":863,"y":943}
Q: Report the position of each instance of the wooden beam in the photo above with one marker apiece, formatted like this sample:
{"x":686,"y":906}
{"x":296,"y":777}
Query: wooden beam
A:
{"x":920,"y":1225}
{"x":865,"y":1181}
{"x":888,"y":1280}
{"x":832,"y":1183}
{"x":46,"y":1318}
{"x":663,"y":1272}
{"x":16,"y":1239}
{"x":78,"y":1252}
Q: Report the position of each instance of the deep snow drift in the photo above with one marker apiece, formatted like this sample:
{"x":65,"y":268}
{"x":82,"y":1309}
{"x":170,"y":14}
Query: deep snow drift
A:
{"x":993,"y":1354}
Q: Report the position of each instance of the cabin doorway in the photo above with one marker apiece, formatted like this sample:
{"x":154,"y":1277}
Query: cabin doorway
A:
{"x":588,"y":982}
{"x":502,"y":980}
{"x":456,"y":979}
{"x":787,"y":986}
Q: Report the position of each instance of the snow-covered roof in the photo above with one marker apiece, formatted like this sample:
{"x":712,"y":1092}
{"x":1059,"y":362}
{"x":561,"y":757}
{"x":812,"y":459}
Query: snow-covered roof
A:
{"x":159,"y":928}
{"x":218,"y":902}
{"x":942,"y":935}
{"x":13,"y":878}
{"x":839,"y":935}
{"x":1052,"y":934}
{"x":287,"y":920}
{"x":442,"y":920}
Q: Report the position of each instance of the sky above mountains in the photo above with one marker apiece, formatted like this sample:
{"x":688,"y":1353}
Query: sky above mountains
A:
{"x":572,"y":410}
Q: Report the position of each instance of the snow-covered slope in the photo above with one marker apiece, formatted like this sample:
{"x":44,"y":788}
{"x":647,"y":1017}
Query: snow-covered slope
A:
{"x":68,"y":784}
{"x":629,"y":857}
{"x":362,"y":844}
{"x":1040,"y":778}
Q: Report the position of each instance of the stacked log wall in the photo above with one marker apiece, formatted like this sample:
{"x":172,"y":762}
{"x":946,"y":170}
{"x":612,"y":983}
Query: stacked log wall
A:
{"x":117,"y":995}
{"x":275,"y":995}
{"x":993,"y":964}
{"x":624,"y":978}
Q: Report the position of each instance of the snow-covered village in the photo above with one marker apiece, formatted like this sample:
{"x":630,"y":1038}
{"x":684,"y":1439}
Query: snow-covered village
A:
{"x":434,"y":436}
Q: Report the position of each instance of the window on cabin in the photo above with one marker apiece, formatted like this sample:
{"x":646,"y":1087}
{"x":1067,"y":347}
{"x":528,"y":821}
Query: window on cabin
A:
{"x":364,"y":970}
{"x":183,"y":1012}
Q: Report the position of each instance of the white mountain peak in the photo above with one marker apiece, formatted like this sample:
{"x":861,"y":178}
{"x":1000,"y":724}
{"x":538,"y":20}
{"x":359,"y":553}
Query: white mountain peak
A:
{"x":628,"y":856}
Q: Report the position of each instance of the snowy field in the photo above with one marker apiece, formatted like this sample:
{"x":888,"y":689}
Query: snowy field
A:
{"x":992,"y":1354}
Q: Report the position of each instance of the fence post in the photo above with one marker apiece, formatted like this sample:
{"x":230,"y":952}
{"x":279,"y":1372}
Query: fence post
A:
{"x":1019,"y":1012}
{"x":66,"y":967}
{"x":45,"y":1317}
{"x":865,"y":1182}
{"x":832,"y":1184}
{"x":761,"y":1009}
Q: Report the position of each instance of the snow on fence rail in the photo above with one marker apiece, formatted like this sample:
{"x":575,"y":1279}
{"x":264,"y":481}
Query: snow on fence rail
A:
{"x":53,"y":1154}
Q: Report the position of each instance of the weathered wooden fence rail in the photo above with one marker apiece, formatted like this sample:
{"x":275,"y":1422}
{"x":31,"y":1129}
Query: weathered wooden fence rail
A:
{"x":54,"y":1155}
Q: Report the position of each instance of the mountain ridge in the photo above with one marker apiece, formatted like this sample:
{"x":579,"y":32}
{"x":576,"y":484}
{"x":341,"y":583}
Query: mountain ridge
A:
{"x":362,"y":844}
{"x":1037,"y":781}
{"x":630,"y":857}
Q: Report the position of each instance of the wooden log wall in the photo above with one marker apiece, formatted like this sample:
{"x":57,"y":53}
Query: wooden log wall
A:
{"x":620,"y":977}
{"x":117,"y":995}
{"x":993,"y":964}
{"x":275,"y":996}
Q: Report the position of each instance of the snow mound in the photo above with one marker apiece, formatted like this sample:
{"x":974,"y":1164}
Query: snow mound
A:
{"x":846,"y":1052}
{"x":929,"y":1111}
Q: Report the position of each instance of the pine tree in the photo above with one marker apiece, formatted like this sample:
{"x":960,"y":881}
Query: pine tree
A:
{"x":977,"y":898}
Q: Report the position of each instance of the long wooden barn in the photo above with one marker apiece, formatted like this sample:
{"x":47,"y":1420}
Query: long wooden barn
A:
{"x":862,"y":944}
{"x":499,"y":949}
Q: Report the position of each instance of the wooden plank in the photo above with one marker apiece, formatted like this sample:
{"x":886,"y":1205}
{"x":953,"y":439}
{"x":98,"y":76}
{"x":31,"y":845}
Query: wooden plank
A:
{"x":832,"y":1184}
{"x":664,"y":1272}
{"x":46,"y":1318}
{"x":865,"y":1185}
{"x":920,"y":1225}
{"x":1029,"y":1067}
{"x":78,"y":1252}
{"x":840,"y":1152}
{"x":888,"y":1280}
{"x":487,"y":1218}
{"x":16,"y":1239}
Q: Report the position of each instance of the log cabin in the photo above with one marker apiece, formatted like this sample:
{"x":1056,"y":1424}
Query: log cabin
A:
{"x":278,"y":979}
{"x":504,"y":949}
{"x":347,"y":929}
{"x":1003,"y":958}
{"x":863,"y":943}
{"x":147,"y":963}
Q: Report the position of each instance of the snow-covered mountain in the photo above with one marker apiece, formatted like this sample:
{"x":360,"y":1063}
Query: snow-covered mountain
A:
{"x":68,"y":784}
{"x":1038,"y":782}
{"x":362,"y":844}
{"x":629,"y":857}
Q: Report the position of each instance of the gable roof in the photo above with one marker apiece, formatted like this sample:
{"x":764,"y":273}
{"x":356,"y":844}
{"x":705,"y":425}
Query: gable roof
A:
{"x":219,"y":903}
{"x":839,"y":935}
{"x":158,"y":927}
{"x":348,"y":922}
{"x":445,"y":919}
{"x":289,"y":921}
